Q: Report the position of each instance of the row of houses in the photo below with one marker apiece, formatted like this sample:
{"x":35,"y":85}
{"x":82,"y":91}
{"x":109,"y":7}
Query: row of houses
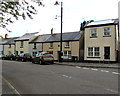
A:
{"x":99,"y":42}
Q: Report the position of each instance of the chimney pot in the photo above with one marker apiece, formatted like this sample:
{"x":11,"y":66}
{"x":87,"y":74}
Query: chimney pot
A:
{"x":6,"y":35}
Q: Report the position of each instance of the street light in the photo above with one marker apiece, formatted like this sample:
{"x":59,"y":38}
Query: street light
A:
{"x":60,"y":54}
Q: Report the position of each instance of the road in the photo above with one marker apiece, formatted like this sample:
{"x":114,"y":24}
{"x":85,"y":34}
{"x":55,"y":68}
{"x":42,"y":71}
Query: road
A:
{"x":28,"y":78}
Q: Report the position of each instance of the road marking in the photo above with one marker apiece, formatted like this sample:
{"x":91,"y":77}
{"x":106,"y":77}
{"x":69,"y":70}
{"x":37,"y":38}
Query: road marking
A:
{"x":78,"y":67}
{"x":94,"y":69}
{"x":86,"y":68}
{"x":112,"y":90}
{"x":11,"y":86}
{"x":115,"y":73}
{"x":104,"y":71}
{"x":66,"y":76}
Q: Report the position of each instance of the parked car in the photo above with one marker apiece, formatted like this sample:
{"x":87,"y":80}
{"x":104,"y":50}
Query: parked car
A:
{"x":43,"y":57}
{"x":24,"y":57}
{"x":9,"y":57}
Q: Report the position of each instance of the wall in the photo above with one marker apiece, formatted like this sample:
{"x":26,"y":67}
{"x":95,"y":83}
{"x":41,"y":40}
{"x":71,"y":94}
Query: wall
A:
{"x":74,"y":48}
{"x":8,"y":50}
{"x":25,"y":47}
{"x":38,"y":48}
{"x":101,"y":42}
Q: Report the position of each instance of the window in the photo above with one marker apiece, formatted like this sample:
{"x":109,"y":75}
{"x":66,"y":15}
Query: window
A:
{"x":34,"y":53}
{"x":34,"y":46}
{"x":93,"y":52}
{"x":21,"y":44}
{"x":9,"y":45}
{"x":21,"y":52}
{"x":107,"y":31}
{"x":67,"y":44}
{"x":93,"y":32}
{"x":51,"y":45}
{"x":67,"y":53}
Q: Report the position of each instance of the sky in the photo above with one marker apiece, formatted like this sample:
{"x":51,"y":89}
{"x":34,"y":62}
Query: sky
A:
{"x":74,"y":12}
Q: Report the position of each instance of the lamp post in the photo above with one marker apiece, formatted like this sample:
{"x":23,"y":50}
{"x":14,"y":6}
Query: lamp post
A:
{"x":60,"y":53}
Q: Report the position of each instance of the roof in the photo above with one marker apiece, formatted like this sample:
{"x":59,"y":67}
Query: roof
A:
{"x":11,"y":40}
{"x":26,"y":36}
{"x":69,"y":36}
{"x":103,"y":22}
{"x":4,"y":41}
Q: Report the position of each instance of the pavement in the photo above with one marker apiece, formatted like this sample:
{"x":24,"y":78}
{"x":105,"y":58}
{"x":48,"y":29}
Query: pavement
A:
{"x":91,"y":65}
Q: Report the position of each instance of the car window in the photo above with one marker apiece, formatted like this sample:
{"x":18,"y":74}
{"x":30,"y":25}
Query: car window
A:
{"x":27,"y":55}
{"x":47,"y":54}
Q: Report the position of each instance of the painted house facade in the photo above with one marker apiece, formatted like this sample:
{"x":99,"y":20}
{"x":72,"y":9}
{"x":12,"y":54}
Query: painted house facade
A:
{"x":72,"y":44}
{"x":101,"y":40}
{"x":9,"y":46}
{"x":22,"y":43}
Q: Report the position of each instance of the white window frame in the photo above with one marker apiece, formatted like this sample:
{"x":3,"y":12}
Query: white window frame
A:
{"x":107,"y":31}
{"x":93,"y":31}
{"x":21,"y":45}
{"x":67,"y":44}
{"x":93,"y":52}
{"x":68,"y":55}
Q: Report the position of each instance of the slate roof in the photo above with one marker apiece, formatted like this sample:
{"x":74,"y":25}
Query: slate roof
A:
{"x":11,"y":40}
{"x":103,"y":22}
{"x":69,"y":36}
{"x":26,"y":36}
{"x":5,"y":41}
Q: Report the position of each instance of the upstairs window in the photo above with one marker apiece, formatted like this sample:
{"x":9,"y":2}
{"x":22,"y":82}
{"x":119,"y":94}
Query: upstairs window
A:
{"x":107,"y":31}
{"x":93,"y":33}
{"x":67,"y":44}
{"x":34,"y":46}
{"x":21,"y":44}
{"x":51,"y":45}
{"x":9,"y":45}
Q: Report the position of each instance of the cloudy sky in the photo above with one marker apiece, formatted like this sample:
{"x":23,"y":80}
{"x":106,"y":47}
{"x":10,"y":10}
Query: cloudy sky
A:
{"x":74,"y":12}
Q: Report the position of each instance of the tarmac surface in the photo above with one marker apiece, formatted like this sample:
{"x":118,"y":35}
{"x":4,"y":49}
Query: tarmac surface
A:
{"x":7,"y":89}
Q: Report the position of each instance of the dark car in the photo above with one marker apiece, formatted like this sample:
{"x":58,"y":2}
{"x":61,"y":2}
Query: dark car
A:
{"x":43,"y":57}
{"x":9,"y":57}
{"x":24,"y":57}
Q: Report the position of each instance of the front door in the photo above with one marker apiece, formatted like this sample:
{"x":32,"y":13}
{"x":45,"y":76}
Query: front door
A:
{"x":106,"y":52}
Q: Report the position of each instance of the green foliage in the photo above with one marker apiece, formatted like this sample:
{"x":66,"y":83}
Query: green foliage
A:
{"x":11,"y":10}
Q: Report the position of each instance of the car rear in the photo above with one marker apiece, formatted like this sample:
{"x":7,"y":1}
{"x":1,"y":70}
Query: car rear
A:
{"x":47,"y":58}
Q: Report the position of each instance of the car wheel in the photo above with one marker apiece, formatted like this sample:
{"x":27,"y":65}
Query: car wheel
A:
{"x":33,"y":61}
{"x":40,"y":62}
{"x":22,"y":60}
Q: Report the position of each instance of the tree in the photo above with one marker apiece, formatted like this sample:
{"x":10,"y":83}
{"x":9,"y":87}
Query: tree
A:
{"x":84,"y":23}
{"x":11,"y":10}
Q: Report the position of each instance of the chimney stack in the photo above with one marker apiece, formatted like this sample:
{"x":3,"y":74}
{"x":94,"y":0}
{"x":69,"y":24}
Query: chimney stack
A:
{"x":6,"y":35}
{"x":52,"y":31}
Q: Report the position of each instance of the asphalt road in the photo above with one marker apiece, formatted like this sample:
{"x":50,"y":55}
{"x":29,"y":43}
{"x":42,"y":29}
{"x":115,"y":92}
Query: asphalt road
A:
{"x":28,"y":78}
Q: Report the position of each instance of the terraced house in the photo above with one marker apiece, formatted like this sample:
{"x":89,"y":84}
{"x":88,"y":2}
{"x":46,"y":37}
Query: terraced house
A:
{"x":9,"y":46}
{"x":22,"y":43}
{"x":72,"y":44}
{"x":101,"y":40}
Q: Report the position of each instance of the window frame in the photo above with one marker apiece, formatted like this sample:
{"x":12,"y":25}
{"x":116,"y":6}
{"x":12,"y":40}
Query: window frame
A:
{"x":51,"y":45}
{"x":9,"y":46}
{"x":109,"y":31}
{"x":93,"y":52}
{"x":67,"y":44}
{"x":93,"y":32}
{"x":21,"y":44}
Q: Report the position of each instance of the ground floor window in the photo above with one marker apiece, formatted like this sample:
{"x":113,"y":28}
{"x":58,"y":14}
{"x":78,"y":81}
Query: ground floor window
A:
{"x":34,"y":53}
{"x":93,"y":51}
{"x":67,"y":54}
